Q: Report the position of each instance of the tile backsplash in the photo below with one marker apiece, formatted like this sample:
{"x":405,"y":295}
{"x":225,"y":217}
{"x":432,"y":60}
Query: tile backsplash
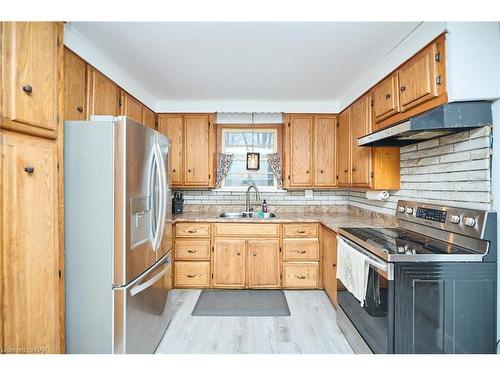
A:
{"x":452,"y":170}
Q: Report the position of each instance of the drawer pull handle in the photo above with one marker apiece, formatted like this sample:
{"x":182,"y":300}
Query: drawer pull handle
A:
{"x":191,"y":275}
{"x":29,"y":169}
{"x":192,"y":231}
{"x":27,"y":89}
{"x":301,"y":231}
{"x":301,"y":277}
{"x":191,"y":251}
{"x":301,"y":251}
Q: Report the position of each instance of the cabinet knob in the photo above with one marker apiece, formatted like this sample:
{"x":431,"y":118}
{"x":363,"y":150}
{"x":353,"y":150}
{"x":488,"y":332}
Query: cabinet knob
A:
{"x":238,"y":253}
{"x":80,"y":109}
{"x":27,"y":89}
{"x":403,"y":88}
{"x":354,"y":169}
{"x":307,"y":172}
{"x":387,"y":96}
{"x":29,"y":169}
{"x":189,"y":170}
{"x":254,"y":253}
{"x":321,"y":171}
{"x":345,"y":170}
{"x":173,"y":170}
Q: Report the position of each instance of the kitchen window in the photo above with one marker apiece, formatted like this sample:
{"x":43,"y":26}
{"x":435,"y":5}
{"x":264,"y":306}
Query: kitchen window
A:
{"x":240,"y":139}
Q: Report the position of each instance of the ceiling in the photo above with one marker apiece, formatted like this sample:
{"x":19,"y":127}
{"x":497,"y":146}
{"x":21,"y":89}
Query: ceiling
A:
{"x":276,"y":61}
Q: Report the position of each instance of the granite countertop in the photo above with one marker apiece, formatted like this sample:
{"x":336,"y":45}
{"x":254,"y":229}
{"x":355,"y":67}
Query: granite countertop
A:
{"x":332,"y":220}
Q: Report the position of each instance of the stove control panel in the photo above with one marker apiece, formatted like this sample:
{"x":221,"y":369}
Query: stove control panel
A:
{"x":431,"y":214}
{"x":465,"y":221}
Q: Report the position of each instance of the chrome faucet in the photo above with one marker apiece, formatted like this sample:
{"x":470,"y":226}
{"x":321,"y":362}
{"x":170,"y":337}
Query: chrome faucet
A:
{"x":257,"y":197}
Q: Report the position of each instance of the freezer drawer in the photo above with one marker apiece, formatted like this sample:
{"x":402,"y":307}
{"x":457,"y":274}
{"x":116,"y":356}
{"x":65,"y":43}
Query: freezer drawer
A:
{"x":142,"y":310}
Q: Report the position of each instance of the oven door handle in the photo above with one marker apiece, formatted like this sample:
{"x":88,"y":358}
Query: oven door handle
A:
{"x":387,"y":268}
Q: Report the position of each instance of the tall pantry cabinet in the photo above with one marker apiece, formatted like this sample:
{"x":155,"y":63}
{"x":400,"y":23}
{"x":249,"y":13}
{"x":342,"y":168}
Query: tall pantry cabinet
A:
{"x":31,"y":190}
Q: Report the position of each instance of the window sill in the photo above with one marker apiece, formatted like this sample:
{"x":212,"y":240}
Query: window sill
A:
{"x":243,"y":189}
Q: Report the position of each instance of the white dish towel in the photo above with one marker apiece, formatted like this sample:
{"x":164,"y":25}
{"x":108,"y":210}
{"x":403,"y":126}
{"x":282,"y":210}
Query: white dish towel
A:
{"x":352,"y":269}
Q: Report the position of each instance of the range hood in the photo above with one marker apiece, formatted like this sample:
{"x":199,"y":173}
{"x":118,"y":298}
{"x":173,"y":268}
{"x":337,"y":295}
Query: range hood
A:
{"x":446,"y":119}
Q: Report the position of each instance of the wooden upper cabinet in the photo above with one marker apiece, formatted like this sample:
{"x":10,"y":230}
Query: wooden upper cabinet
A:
{"x":385,"y":98}
{"x":229,"y":263}
{"x":75,"y":92}
{"x":197,"y":150}
{"x":360,"y":156}
{"x":172,"y":126}
{"x":418,"y":78}
{"x":29,"y":238}
{"x":103,"y":95}
{"x":148,"y":118}
{"x":344,"y":148}
{"x":325,"y":166}
{"x":130,"y":107}
{"x":300,"y":134}
{"x":32,"y":69}
{"x":264,"y":263}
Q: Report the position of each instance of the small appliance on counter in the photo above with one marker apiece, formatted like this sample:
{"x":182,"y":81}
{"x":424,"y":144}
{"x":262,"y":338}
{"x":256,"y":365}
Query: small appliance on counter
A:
{"x":178,"y":203}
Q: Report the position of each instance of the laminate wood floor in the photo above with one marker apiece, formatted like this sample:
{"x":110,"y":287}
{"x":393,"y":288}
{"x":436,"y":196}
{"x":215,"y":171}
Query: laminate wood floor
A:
{"x":311,"y":329}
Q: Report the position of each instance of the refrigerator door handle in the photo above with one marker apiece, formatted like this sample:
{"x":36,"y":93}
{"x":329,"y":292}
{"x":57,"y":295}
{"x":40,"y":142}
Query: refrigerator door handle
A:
{"x":141,"y":287}
{"x":162,"y":179}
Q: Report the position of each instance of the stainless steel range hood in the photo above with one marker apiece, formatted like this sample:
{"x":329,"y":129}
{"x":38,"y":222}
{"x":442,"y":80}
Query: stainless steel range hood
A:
{"x":446,"y":119}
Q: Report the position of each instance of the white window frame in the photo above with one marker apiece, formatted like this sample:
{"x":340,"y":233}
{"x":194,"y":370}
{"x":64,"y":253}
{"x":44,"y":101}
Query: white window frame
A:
{"x":247,"y":129}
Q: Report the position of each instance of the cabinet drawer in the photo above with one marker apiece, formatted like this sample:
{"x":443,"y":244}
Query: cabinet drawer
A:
{"x":192,"y":230}
{"x":300,"y":249}
{"x":247,"y":230}
{"x":192,"y":250}
{"x":300,"y":275}
{"x":300,"y":230}
{"x":192,"y":274}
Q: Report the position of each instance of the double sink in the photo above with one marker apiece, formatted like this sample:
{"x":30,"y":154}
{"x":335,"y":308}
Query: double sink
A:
{"x":248,"y":215}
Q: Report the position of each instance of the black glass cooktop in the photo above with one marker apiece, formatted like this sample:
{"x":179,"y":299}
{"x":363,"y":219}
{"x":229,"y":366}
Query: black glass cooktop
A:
{"x":403,"y":242}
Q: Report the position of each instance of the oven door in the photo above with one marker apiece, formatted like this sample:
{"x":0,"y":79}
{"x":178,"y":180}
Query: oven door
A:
{"x":369,"y":328}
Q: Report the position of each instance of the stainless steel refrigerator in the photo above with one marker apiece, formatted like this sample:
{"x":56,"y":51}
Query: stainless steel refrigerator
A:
{"x":118,"y":236}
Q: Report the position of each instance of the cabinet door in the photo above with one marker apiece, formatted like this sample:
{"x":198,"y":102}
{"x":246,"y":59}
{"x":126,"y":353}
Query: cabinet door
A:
{"x":197,"y":150}
{"x":102,"y":94}
{"x":417,"y":79}
{"x":229,"y":263}
{"x":344,"y":148}
{"x":325,"y":167}
{"x":75,"y":70}
{"x":263,"y":263}
{"x":361,"y":156}
{"x":329,"y":243}
{"x":300,"y":150}
{"x":148,"y":118}
{"x":130,"y":107}
{"x":32,"y":57}
{"x":31,"y":281}
{"x":172,"y":126}
{"x":385,"y":98}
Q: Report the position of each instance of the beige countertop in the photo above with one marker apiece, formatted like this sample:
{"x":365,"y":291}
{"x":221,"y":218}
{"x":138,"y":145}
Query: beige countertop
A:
{"x":332,"y":220}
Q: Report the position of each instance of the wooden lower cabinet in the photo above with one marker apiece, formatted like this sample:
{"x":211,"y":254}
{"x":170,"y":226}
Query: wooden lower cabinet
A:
{"x":301,"y":275}
{"x":263,"y":263}
{"x":229,"y":263}
{"x":192,"y":274}
{"x":329,"y":245}
{"x":31,"y":276}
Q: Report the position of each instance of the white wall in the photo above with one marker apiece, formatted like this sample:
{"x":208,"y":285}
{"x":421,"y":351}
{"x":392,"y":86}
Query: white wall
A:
{"x":76,"y":42}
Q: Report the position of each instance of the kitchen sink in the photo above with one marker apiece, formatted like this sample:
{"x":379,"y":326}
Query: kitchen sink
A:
{"x":247,"y":215}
